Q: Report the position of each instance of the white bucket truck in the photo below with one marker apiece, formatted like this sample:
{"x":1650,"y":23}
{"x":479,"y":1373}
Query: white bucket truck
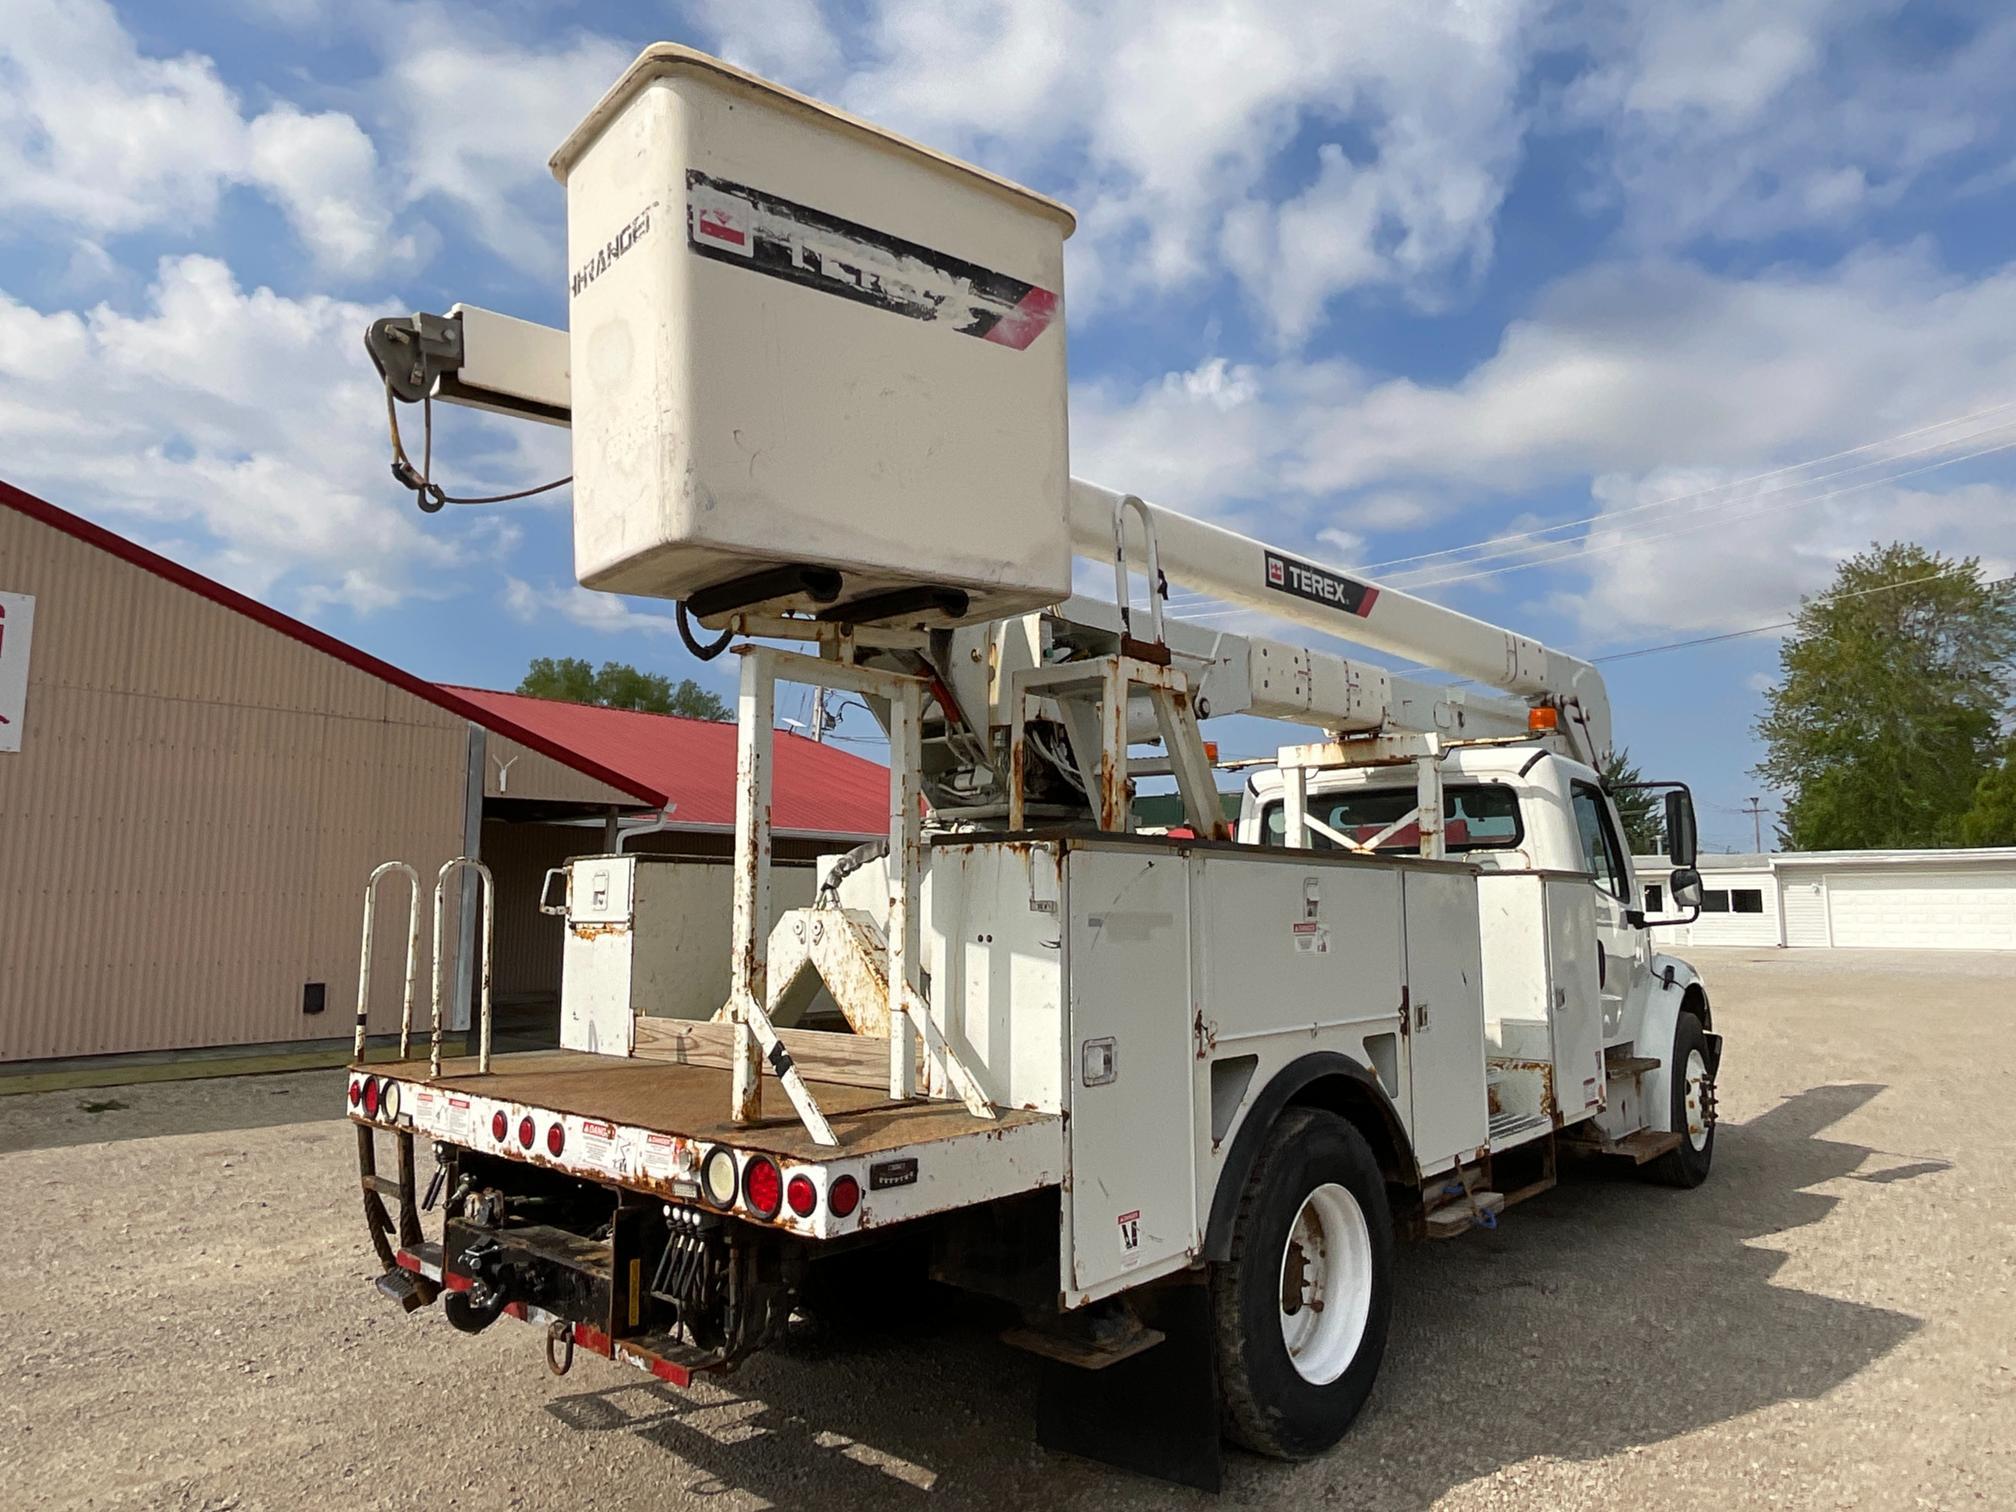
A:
{"x":1174,"y":1095}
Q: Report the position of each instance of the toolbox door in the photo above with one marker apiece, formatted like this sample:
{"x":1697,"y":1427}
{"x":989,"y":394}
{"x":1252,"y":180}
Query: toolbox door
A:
{"x":1132,"y":1192}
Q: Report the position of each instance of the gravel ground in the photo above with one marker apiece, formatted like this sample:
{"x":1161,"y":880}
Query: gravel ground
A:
{"x":1827,"y":1323}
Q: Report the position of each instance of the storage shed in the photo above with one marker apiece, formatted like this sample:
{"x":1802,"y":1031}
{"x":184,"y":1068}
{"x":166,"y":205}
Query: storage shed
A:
{"x":194,"y":786}
{"x":1900,"y":899}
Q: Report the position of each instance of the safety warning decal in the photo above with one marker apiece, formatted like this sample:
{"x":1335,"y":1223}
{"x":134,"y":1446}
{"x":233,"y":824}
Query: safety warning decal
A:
{"x":1130,"y":1237}
{"x":1310,"y":937}
{"x":1319,"y":585}
{"x":767,"y":234}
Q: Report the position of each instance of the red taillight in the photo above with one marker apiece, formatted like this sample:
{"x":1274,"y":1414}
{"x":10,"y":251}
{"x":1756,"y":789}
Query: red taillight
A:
{"x":556,"y":1141}
{"x":802,"y":1195}
{"x":371,"y":1098}
{"x":843,"y":1196}
{"x":525,"y":1131}
{"x":356,"y":1093}
{"x":499,"y":1126}
{"x":763,"y":1187}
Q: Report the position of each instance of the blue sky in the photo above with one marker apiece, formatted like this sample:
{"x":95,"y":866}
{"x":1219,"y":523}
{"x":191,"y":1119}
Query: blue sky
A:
{"x":1675,"y":306}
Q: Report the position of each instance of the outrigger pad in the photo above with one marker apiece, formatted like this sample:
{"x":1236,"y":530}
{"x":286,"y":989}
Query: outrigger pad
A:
{"x":1154,"y":1413}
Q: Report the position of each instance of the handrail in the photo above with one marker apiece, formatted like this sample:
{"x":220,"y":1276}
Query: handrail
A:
{"x":1123,"y":593}
{"x":489,"y":902}
{"x":412,"y":953}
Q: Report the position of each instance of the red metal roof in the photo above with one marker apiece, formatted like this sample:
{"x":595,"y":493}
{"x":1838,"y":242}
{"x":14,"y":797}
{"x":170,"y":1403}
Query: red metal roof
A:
{"x":815,"y":789}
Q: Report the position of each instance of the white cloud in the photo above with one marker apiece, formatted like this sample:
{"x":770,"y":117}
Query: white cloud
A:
{"x":240,"y":420}
{"x":99,"y":136}
{"x":604,"y":612}
{"x":1658,"y":383}
{"x":1740,"y":119}
{"x":476,"y":119}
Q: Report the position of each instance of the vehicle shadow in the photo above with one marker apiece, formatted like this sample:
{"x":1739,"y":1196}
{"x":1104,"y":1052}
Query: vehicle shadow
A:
{"x":1606,"y":1314}
{"x":150,"y":1110}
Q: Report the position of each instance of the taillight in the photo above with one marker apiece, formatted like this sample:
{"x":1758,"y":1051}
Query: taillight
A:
{"x":717,"y":1176}
{"x":388,"y":1101}
{"x":763,"y":1186}
{"x":371,"y":1098}
{"x":802,"y":1195}
{"x":499,"y":1126}
{"x":843,"y":1196}
{"x":556,"y":1141}
{"x":356,"y":1092}
{"x":525,"y":1131}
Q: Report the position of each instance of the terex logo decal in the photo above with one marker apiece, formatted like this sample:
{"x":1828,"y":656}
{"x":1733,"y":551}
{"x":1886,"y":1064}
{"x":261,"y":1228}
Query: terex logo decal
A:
{"x":1319,"y":585}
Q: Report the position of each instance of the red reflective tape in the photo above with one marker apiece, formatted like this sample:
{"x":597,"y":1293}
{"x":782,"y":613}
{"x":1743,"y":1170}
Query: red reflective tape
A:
{"x":1029,"y":319}
{"x":594,"y":1340}
{"x":671,"y":1374}
{"x":410,"y":1261}
{"x":515,"y":1310}
{"x":454,"y":1282}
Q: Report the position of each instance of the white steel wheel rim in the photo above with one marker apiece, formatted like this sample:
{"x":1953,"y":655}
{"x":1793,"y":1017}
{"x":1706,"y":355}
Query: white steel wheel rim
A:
{"x":1697,"y":1109}
{"x":1325,"y":1294}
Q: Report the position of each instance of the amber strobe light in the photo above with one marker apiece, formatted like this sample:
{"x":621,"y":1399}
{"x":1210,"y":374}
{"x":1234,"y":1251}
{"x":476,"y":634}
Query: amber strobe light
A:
{"x":1538,"y":720}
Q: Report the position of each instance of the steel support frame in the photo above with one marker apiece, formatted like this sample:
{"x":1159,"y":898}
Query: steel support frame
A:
{"x":755,"y":1038}
{"x":1111,"y":681}
{"x":1422,"y":752}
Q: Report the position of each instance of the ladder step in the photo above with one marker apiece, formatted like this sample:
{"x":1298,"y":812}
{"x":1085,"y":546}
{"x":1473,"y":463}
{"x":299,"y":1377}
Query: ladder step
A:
{"x":1638,"y":1147}
{"x":1463,"y":1214}
{"x":1619,"y":1067}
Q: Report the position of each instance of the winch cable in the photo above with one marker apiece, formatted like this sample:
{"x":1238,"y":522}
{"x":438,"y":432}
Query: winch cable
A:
{"x":431,"y":495}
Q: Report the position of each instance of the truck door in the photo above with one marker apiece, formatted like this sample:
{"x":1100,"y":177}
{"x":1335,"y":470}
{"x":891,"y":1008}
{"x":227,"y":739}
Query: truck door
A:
{"x":1616,"y":940}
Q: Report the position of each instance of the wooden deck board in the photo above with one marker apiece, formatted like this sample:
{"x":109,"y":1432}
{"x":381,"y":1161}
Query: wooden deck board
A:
{"x":692,"y":1100}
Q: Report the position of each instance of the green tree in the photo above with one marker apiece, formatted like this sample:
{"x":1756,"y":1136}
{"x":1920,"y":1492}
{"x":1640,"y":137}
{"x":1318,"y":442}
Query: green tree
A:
{"x":1641,"y":811}
{"x":1992,"y":819}
{"x":1892,"y":690}
{"x":618,"y":685}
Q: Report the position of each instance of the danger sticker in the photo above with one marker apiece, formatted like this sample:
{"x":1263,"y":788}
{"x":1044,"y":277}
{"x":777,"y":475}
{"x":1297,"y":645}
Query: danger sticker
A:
{"x":1310,"y":938}
{"x":783,"y":239}
{"x":1130,"y":1237}
{"x":1319,"y":585}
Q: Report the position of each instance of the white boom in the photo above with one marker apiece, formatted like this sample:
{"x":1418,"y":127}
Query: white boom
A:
{"x":1254,"y":575}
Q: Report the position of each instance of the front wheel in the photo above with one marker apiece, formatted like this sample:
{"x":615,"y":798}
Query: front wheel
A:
{"x":1302,"y":1305}
{"x":1693,"y":1113}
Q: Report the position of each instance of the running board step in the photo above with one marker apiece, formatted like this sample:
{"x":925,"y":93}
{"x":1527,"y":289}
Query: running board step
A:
{"x":1619,"y":1067}
{"x":1476,"y":1210}
{"x":1638,"y":1147}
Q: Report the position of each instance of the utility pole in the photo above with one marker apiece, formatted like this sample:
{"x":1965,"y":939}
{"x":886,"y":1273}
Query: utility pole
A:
{"x":818,"y":716}
{"x":1756,"y":813}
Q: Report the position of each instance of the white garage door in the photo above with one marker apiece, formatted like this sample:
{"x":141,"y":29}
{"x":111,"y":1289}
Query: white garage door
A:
{"x":1925,"y":911}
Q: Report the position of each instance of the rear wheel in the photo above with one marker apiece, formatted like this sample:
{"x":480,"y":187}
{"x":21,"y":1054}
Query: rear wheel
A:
{"x":1302,"y":1305}
{"x":1693,"y":1113}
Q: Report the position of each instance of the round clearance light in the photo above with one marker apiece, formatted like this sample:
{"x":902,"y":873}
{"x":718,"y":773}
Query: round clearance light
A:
{"x":844,"y":1196}
{"x":717,"y":1176}
{"x":556,"y":1141}
{"x":525,"y":1131}
{"x":763,"y":1186}
{"x":500,"y":1126}
{"x":356,"y":1091}
{"x":371,"y":1091}
{"x":388,"y":1101}
{"x":802,"y":1195}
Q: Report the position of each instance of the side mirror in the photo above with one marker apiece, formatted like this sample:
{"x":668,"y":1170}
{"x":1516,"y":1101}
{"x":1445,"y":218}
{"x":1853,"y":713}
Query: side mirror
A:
{"x":1684,"y":887}
{"x":1681,"y":839}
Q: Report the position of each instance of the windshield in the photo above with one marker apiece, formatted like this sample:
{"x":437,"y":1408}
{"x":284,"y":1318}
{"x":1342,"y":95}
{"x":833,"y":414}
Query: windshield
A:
{"x":1481,"y":816}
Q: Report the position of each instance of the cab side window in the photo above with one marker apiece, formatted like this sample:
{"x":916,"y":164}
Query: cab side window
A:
{"x":1600,"y":850}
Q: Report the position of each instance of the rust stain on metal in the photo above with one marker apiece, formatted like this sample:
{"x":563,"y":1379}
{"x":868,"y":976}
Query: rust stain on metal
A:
{"x":597,"y":931}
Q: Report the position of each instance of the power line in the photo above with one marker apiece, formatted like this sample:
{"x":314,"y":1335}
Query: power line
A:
{"x":1735,"y":483}
{"x":1601,"y":548}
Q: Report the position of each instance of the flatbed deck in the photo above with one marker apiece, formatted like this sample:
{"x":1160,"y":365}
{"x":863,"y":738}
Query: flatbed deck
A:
{"x":692,"y":1101}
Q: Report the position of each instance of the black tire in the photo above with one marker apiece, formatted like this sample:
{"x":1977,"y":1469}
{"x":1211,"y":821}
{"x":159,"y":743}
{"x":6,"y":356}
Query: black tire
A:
{"x":1688,"y":1166}
{"x":1268,"y":1406}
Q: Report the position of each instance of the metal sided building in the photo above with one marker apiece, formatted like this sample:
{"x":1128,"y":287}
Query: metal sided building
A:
{"x":1901,"y":899}
{"x":194,"y":786}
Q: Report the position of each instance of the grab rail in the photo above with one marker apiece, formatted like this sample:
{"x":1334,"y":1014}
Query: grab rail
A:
{"x":412,"y":953}
{"x":489,"y":903}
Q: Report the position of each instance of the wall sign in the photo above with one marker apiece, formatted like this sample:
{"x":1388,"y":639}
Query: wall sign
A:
{"x":17,"y":620}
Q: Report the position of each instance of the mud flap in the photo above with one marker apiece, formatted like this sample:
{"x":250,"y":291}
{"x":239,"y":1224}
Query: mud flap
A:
{"x":1155,"y":1413}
